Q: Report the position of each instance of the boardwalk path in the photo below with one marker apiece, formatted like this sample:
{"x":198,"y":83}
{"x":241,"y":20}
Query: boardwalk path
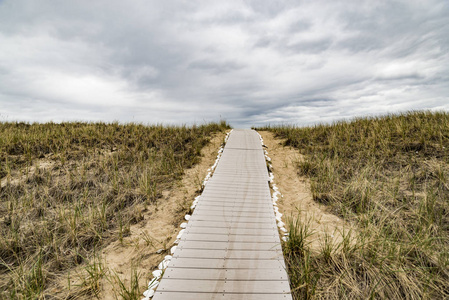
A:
{"x":231,"y":248}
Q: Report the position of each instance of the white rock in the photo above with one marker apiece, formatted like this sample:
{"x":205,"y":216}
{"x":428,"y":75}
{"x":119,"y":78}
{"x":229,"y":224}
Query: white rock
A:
{"x":173,"y":249}
{"x":187,"y":217}
{"x":157,"y":274}
{"x":149,"y":294}
{"x":163,"y":265}
{"x":180,"y":234}
{"x":168,"y":257}
{"x":153,"y":284}
{"x":183,"y":225}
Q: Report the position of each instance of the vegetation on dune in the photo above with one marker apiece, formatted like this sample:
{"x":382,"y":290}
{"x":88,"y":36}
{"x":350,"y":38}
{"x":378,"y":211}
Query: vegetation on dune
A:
{"x":68,"y":189}
{"x":390,"y":176}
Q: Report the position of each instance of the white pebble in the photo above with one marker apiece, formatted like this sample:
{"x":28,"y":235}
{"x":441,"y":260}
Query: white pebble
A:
{"x":163,"y":265}
{"x":153,"y":284}
{"x":180,"y":234}
{"x":157,"y":274}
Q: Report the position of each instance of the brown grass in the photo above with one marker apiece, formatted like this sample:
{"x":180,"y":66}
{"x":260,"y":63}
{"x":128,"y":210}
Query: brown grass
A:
{"x":69,"y":189}
{"x":389,"y":177}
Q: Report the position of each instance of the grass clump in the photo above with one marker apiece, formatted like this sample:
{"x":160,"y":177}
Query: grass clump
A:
{"x":71,"y":188}
{"x":389,"y":176}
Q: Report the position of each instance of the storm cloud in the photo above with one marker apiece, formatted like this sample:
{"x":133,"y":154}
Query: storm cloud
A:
{"x":249,"y":62}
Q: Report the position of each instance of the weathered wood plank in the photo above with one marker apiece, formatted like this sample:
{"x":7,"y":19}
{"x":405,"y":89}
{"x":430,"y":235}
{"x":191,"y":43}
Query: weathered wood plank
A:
{"x":227,"y":254}
{"x":213,"y":208}
{"x":231,"y":230}
{"x":221,"y":263}
{"x":222,"y":224}
{"x":236,"y":213}
{"x":240,"y":219}
{"x":231,"y":204}
{"x":220,"y":296}
{"x":222,"y":274}
{"x":224,"y":286}
{"x":229,"y":238}
{"x":214,"y":245}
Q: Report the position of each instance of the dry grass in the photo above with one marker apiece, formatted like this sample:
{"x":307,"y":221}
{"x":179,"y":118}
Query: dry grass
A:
{"x":390,"y":177}
{"x":70,"y":189}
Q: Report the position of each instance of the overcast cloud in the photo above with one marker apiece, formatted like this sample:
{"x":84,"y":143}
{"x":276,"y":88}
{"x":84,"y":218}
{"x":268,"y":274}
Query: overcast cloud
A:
{"x":250,"y":62}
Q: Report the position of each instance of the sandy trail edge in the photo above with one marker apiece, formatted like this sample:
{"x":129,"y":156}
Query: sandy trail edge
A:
{"x":297,"y":198}
{"x":159,"y":228}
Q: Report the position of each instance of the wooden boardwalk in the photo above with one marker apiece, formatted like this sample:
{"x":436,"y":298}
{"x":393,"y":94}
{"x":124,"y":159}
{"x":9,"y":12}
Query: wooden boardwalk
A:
{"x":231,"y":247}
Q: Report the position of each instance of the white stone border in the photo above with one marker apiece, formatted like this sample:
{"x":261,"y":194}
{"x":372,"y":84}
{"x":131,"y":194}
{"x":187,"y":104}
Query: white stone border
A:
{"x":276,"y":193}
{"x":159,"y":272}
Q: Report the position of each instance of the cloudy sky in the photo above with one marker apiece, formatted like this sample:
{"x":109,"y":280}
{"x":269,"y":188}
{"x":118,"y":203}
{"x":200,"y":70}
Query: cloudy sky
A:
{"x":250,"y":62}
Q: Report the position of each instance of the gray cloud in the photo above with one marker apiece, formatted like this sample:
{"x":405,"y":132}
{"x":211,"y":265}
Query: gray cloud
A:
{"x":251,"y":62}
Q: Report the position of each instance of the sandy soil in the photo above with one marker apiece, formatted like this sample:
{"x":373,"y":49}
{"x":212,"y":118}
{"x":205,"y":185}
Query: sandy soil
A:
{"x":297,"y":201}
{"x":141,"y":251}
{"x":19,"y":176}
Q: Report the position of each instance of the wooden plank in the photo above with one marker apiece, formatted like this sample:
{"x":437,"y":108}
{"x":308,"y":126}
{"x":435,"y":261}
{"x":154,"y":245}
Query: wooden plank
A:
{"x":238,"y":183}
{"x":227,"y":254}
{"x":236,"y":205}
{"x":241,"y":176}
{"x":229,"y":238}
{"x":232,"y":218}
{"x":220,"y":296}
{"x":231,"y":230}
{"x":242,"y":207}
{"x":206,"y":207}
{"x":237,"y":200}
{"x":237,"y":194}
{"x":235,"y":213}
{"x":251,"y":186}
{"x":222,"y":274}
{"x":221,"y":224}
{"x":230,"y":198}
{"x":224,"y":286}
{"x":220,"y":263}
{"x":214,"y":245}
